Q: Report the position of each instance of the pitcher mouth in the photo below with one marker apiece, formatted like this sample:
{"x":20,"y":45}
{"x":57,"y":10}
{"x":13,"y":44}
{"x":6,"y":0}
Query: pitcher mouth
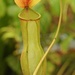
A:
{"x":29,"y":15}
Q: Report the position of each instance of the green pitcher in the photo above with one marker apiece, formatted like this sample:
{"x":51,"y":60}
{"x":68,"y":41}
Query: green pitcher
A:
{"x":32,"y":50}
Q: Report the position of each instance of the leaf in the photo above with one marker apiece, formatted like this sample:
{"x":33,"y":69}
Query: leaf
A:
{"x":2,"y":9}
{"x":50,"y":67}
{"x":55,"y":7}
{"x":45,"y":21}
{"x":14,"y":9}
{"x":65,"y":44}
{"x":72,"y":4}
{"x":65,"y":9}
{"x":55,"y":58}
{"x":13,"y":63}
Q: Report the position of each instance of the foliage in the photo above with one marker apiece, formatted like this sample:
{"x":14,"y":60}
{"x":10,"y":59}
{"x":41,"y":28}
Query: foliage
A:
{"x":11,"y":41}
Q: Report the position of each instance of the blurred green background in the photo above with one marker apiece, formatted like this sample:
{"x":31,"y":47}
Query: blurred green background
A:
{"x":61,"y":59}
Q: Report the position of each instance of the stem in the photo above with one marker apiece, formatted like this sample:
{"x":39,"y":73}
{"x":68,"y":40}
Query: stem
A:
{"x":59,"y":24}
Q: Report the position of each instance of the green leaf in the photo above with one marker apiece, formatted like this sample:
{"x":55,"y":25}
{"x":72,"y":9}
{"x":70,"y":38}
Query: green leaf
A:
{"x":72,"y":4}
{"x":65,"y":44}
{"x":55,"y":58}
{"x":50,"y":67}
{"x":13,"y":63}
{"x":55,"y":7}
{"x":13,"y":11}
{"x":2,"y":67}
{"x":2,"y":8}
{"x":45,"y":21}
{"x":65,"y":9}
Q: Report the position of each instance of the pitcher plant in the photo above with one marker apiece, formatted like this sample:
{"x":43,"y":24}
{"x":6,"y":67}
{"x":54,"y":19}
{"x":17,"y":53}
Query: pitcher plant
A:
{"x":33,"y":58}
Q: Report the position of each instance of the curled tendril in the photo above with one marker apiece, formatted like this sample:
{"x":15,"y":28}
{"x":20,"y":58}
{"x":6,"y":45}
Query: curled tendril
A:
{"x":52,"y":43}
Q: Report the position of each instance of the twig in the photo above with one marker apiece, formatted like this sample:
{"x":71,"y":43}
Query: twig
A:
{"x":59,"y":24}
